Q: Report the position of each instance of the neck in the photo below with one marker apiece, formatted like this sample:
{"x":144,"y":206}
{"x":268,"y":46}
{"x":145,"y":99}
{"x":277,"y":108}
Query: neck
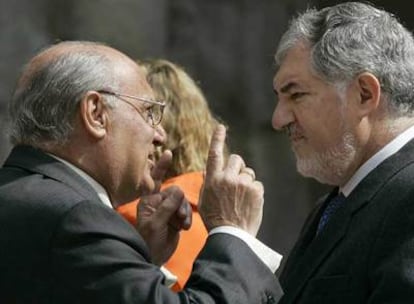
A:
{"x":378,"y":136}
{"x":384,"y":132}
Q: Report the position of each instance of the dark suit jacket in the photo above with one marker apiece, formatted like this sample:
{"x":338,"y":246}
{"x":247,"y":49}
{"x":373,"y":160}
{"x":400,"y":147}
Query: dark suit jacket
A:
{"x":365,"y":254}
{"x":60,"y":244}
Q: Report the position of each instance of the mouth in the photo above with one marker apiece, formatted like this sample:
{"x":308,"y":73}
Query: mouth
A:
{"x":296,"y":138}
{"x":294,"y":133}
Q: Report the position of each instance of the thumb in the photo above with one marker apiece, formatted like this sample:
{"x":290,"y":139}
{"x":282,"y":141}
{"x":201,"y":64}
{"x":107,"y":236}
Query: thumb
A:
{"x":172,"y":200}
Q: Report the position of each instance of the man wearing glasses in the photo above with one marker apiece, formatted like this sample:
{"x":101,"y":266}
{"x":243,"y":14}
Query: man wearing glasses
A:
{"x":84,"y":128}
{"x":153,"y":111}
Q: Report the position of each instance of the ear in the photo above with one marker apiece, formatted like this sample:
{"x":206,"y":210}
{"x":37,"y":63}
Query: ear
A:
{"x":369,"y":93}
{"x":94,"y":114}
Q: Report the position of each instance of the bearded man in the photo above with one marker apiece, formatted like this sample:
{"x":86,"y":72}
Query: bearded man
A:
{"x":345,"y":90}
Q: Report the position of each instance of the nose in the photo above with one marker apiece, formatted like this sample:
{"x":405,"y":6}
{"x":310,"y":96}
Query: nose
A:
{"x":160,"y":136}
{"x":282,"y":116}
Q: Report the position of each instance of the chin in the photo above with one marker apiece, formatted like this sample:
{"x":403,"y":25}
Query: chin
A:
{"x":327,"y":169}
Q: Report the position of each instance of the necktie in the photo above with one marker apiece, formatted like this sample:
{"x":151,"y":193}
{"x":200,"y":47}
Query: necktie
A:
{"x":330,"y":209}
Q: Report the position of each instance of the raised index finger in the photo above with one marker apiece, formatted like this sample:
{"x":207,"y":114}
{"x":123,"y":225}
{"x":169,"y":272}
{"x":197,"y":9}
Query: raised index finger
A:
{"x":215,"y":155}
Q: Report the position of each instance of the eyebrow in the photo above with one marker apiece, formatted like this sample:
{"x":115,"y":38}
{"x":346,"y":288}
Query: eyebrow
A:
{"x":289,"y":86}
{"x":286,"y":88}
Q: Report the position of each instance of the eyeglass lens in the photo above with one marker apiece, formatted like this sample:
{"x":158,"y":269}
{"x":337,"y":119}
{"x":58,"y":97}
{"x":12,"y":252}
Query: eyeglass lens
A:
{"x":155,"y":114}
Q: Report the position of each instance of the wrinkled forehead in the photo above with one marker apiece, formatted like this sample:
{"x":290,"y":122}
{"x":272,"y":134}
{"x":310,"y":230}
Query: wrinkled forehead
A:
{"x":293,"y":66}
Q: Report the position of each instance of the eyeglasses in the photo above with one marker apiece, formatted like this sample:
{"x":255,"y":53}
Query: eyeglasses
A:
{"x":152,"y":115}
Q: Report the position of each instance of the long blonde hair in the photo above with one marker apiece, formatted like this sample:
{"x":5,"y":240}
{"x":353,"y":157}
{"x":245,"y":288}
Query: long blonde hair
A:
{"x":187,"y":119}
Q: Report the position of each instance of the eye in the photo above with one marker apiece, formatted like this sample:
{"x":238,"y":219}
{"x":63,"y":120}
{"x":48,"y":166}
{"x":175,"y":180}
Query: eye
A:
{"x":150,"y":110}
{"x":297,"y":95}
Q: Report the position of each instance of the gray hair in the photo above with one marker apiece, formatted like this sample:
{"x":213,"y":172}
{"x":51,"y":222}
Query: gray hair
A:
{"x":351,"y":38}
{"x":47,"y":98}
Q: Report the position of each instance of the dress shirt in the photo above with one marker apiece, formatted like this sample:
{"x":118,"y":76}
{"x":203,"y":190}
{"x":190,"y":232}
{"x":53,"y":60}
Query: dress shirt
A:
{"x":268,"y":256}
{"x":102,"y":194}
{"x":388,"y":150}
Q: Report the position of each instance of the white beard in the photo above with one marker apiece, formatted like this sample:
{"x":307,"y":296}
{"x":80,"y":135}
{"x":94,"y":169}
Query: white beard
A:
{"x":330,"y":166}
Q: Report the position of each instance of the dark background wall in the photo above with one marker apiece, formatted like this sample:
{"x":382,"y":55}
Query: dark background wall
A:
{"x":227,"y":45}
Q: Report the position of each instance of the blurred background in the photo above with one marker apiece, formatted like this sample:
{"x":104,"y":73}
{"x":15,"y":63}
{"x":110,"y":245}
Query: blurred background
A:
{"x":226,"y":45}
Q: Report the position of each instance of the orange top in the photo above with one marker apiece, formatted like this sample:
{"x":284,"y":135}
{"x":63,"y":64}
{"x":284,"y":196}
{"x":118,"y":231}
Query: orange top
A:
{"x":192,"y":240}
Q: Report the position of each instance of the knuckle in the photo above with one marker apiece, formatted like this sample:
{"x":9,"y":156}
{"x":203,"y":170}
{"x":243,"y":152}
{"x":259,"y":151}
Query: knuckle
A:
{"x":245,"y":182}
{"x":236,"y":158}
{"x":213,"y":154}
{"x":228,"y":180}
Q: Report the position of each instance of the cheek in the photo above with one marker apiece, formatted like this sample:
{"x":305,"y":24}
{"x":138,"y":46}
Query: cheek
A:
{"x":141,"y":148}
{"x":324,"y":129}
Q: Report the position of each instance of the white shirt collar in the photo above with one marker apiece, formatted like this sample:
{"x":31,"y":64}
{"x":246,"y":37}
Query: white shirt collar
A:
{"x":102,"y":194}
{"x":392,"y":147}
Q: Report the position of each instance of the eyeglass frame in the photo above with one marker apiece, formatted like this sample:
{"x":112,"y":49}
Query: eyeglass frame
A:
{"x":149,"y":110}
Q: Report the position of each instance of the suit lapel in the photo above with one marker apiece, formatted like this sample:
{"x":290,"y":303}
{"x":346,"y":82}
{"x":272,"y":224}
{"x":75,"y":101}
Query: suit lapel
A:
{"x":33,"y":160}
{"x":311,"y":252}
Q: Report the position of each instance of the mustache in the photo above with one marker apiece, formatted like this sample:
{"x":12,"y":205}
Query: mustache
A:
{"x":293,"y":130}
{"x":288,"y":129}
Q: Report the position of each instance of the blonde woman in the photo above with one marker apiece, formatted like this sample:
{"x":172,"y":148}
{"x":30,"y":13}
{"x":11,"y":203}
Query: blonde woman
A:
{"x":189,"y":125}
